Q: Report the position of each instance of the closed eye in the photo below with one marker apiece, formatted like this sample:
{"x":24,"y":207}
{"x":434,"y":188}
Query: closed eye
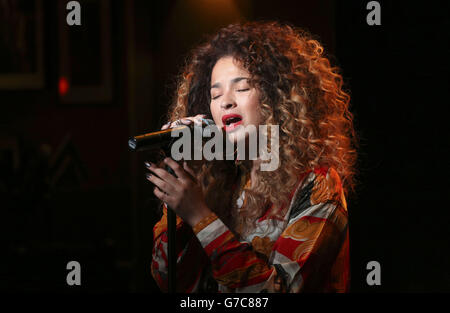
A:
{"x":239,"y":90}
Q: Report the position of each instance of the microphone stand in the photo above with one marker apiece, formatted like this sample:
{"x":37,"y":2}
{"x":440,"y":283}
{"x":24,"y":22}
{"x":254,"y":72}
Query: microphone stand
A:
{"x":171,"y":228}
{"x":171,"y":244}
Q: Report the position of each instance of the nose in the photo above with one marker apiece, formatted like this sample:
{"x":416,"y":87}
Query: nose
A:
{"x":227,"y":102}
{"x":226,"y":105}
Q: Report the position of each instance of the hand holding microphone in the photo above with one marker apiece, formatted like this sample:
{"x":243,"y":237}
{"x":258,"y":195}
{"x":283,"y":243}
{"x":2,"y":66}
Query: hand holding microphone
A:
{"x":177,"y":185}
{"x":180,"y":192}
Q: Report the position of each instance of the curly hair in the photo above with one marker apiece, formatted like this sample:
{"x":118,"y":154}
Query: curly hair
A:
{"x":299,"y":91}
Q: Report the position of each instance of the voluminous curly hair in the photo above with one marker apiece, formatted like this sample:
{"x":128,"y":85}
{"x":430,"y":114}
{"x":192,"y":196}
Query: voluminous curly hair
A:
{"x":300,"y":91}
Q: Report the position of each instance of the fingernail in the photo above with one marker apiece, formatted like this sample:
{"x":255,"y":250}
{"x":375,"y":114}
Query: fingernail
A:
{"x":148,"y":175}
{"x":147,"y":164}
{"x":186,"y":121}
{"x":207,"y":122}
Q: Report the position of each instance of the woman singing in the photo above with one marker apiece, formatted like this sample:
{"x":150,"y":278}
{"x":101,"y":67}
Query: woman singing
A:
{"x":241,"y":229}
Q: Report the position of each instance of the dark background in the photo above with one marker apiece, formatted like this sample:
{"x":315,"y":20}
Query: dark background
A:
{"x":102,"y":211}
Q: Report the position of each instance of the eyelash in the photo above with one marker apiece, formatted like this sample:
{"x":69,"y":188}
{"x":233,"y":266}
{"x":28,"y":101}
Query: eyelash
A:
{"x":240,"y":90}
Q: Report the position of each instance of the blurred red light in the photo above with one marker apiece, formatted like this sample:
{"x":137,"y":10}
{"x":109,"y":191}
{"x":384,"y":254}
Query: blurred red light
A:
{"x":63,"y":86}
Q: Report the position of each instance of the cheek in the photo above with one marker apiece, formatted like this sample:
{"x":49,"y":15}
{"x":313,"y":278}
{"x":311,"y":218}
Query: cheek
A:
{"x":214,"y":113}
{"x":254,"y":107}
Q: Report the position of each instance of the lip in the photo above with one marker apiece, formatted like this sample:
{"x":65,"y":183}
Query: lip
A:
{"x":231,"y":127}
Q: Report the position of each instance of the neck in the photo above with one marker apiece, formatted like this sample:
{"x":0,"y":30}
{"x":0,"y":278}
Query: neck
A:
{"x":256,"y":164}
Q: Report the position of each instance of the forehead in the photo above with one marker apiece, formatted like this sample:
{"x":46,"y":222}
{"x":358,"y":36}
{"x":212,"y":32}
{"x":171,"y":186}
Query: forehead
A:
{"x":227,"y":68}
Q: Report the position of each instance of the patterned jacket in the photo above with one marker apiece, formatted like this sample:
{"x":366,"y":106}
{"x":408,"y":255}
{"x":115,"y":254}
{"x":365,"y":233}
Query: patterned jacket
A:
{"x":306,"y":251}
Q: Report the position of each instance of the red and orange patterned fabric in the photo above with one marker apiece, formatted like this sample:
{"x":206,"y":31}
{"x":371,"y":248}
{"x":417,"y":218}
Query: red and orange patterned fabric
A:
{"x":306,"y":251}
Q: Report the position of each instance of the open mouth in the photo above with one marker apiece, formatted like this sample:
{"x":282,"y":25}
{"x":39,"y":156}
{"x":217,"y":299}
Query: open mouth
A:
{"x":231,"y":121}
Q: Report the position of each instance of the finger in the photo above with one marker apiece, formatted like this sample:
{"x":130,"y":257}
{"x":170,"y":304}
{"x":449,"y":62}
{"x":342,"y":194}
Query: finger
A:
{"x":161,"y":173}
{"x":198,"y":119}
{"x":179,"y":171}
{"x":161,"y":195}
{"x":189,"y":170}
{"x":162,"y":185}
{"x":165,"y":126}
{"x":186,"y":121}
{"x":183,"y":121}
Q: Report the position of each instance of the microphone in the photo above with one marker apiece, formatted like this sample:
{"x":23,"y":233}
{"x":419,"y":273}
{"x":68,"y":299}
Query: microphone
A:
{"x":162,"y":138}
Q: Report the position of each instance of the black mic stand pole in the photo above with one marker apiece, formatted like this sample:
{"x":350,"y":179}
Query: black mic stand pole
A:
{"x":171,"y":228}
{"x":171,"y":244}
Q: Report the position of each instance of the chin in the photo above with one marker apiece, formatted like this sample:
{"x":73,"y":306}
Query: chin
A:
{"x":240,"y":135}
{"x":236,"y":136}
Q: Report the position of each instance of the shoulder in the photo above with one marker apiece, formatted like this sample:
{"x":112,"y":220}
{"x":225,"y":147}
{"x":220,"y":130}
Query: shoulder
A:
{"x":326,"y":186}
{"x":319,"y":186}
